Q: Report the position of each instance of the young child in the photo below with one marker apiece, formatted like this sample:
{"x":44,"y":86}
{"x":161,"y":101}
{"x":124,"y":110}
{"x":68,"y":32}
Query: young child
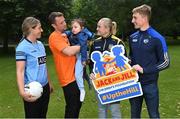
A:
{"x":79,"y":36}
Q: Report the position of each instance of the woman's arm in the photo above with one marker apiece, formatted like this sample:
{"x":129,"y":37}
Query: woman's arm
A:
{"x":20,"y":66}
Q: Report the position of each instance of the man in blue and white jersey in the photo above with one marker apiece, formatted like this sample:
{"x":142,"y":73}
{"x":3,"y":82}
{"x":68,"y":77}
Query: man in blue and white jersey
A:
{"x":149,"y":55}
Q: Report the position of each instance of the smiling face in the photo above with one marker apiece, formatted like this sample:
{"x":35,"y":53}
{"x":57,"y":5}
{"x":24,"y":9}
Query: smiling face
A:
{"x":102,"y":29}
{"x":141,"y":17}
{"x":138,"y":20}
{"x":36,"y":31}
{"x":60,"y":24}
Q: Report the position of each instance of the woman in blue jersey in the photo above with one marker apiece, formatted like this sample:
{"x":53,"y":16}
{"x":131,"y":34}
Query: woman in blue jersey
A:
{"x":31,"y":66}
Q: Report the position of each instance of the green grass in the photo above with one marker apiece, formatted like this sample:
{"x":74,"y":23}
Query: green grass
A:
{"x":11,"y":104}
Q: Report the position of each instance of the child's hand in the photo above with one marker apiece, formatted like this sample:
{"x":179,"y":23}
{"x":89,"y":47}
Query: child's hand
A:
{"x":84,"y":63}
{"x":63,"y":34}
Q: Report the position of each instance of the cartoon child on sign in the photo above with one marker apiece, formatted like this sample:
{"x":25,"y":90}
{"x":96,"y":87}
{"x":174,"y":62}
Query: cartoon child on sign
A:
{"x":98,"y":64}
{"x":115,"y":79}
{"x":120,"y":59}
{"x":109,"y":62}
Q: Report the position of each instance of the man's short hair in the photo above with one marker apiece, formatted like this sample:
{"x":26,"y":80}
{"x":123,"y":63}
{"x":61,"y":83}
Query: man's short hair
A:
{"x":143,"y":10}
{"x":53,"y":15}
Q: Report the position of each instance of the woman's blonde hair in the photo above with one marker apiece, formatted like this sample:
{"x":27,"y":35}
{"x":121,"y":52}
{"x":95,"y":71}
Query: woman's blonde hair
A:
{"x":28,"y":23}
{"x":112,"y":25}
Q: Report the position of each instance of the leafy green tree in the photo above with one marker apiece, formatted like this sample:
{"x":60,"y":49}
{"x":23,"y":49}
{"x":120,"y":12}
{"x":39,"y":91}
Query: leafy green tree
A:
{"x":14,"y":11}
{"x":165,"y":14}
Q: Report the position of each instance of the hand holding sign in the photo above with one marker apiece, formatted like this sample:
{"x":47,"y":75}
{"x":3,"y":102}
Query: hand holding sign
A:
{"x":113,"y":77}
{"x":138,"y":68}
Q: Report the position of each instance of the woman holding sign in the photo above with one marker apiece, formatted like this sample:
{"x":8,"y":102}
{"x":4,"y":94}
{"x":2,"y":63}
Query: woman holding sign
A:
{"x":106,"y":29}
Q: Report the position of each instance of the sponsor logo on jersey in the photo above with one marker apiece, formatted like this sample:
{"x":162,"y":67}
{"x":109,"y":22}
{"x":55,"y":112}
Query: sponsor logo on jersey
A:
{"x":97,"y":47}
{"x":42,"y":60}
{"x":134,"y":40}
{"x":146,"y":41}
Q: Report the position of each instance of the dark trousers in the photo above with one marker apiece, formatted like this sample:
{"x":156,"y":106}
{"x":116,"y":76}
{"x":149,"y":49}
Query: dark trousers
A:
{"x":72,"y":98}
{"x":151,"y":96}
{"x":38,"y":109}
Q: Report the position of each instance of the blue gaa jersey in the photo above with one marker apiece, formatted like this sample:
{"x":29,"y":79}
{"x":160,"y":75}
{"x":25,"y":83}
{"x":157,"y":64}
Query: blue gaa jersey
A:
{"x":35,"y":57}
{"x":148,"y":49}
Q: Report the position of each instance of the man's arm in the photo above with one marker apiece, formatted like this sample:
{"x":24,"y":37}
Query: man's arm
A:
{"x":71,"y":50}
{"x":60,"y":45}
{"x":162,"y":59}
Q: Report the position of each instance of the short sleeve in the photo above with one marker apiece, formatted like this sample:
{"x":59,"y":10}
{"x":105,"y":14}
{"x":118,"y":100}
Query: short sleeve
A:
{"x":58,"y":42}
{"x":20,"y":55}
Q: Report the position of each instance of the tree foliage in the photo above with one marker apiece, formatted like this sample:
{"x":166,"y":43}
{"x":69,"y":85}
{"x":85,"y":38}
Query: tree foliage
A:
{"x":165,"y":15}
{"x":14,"y":11}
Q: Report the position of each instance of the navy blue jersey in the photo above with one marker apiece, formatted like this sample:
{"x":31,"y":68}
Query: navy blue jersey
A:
{"x":149,"y":50}
{"x":35,"y":57}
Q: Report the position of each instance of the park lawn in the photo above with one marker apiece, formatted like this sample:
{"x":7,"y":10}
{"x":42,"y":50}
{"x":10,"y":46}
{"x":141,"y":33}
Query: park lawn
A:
{"x":11,"y":104}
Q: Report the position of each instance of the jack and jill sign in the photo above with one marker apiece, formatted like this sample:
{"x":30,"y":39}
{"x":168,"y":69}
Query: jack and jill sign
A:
{"x":115,"y":79}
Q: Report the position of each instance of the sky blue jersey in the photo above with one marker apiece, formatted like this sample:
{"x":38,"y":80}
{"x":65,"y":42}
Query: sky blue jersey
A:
{"x":35,"y":57}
